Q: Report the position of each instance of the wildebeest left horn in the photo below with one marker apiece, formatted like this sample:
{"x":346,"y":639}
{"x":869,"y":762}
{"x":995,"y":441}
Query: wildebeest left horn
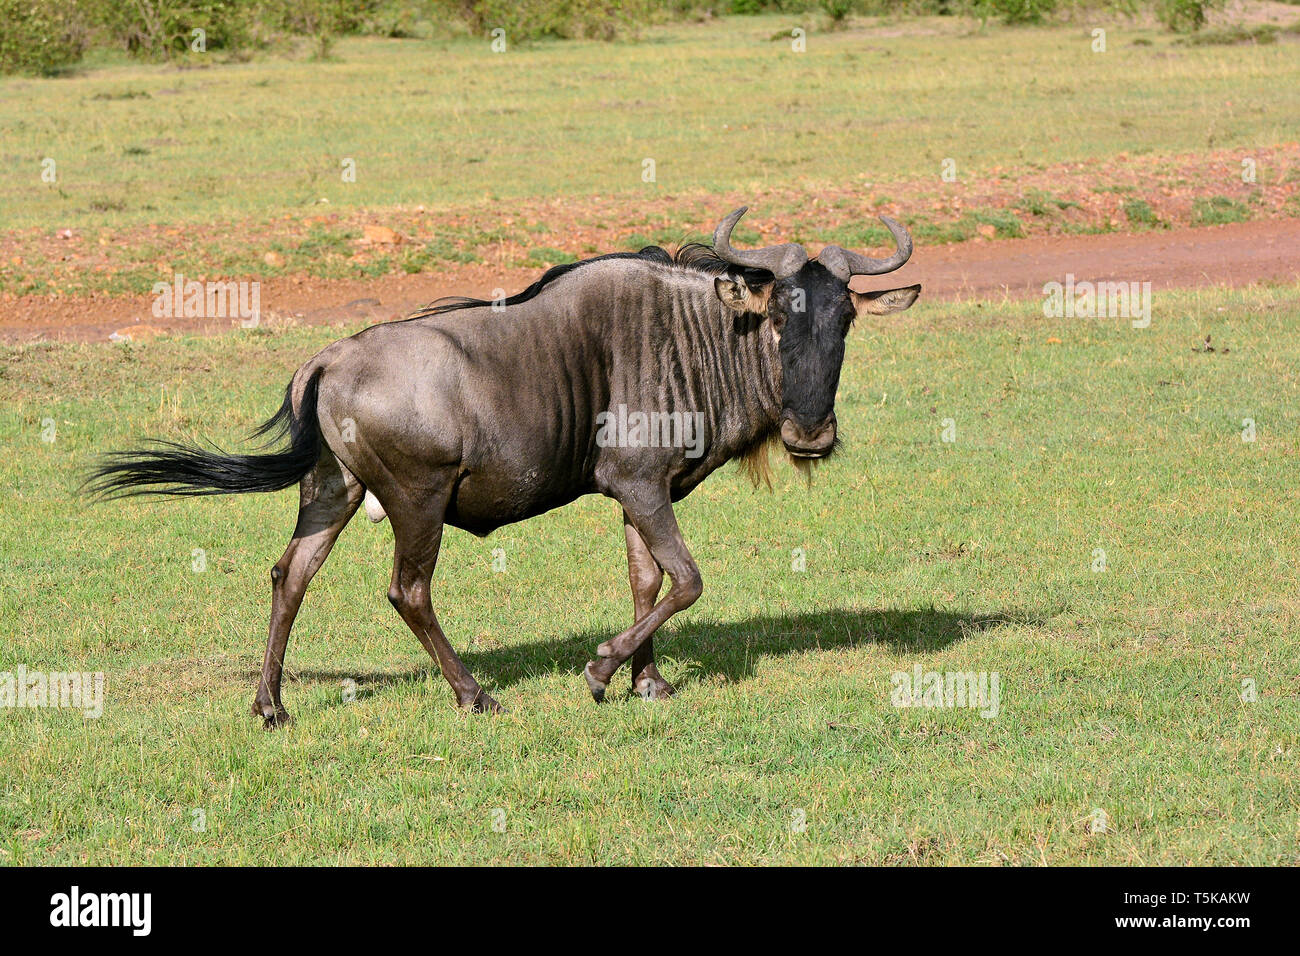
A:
{"x":844,"y":264}
{"x":781,"y":261}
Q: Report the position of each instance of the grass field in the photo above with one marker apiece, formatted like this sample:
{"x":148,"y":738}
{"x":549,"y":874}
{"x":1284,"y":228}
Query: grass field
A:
{"x":539,"y":154}
{"x":1121,"y":690}
{"x":718,"y":107}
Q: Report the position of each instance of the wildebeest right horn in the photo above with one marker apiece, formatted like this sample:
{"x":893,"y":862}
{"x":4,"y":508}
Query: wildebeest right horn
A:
{"x":782,"y":261}
{"x":845,"y":264}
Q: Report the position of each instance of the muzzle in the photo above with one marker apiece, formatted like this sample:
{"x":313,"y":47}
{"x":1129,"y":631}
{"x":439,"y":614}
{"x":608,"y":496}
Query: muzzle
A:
{"x":802,"y":443}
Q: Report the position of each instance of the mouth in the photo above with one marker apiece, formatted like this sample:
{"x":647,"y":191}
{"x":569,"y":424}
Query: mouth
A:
{"x":802,"y":443}
{"x":798,"y":452}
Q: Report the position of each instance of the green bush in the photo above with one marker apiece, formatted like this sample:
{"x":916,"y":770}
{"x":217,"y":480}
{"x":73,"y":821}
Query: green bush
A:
{"x":395,"y":18}
{"x":40,"y":36}
{"x":316,"y":17}
{"x":1013,"y":11}
{"x":837,"y":11}
{"x":1185,"y":16}
{"x":45,"y":36}
{"x":532,"y":19}
{"x":154,"y":29}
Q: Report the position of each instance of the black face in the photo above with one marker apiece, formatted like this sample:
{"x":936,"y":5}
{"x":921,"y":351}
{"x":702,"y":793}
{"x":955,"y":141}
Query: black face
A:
{"x":812,"y":313}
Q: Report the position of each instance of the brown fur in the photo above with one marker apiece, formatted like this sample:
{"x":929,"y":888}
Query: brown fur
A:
{"x":756,"y":462}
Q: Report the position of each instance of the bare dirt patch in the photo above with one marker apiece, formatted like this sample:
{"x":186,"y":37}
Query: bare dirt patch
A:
{"x":1120,"y":194}
{"x":1231,"y":255}
{"x":1172,"y":220}
{"x":1253,"y":12}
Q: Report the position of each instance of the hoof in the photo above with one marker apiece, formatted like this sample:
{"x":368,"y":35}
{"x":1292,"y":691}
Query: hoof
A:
{"x":271,"y":721}
{"x":653,"y":688}
{"x":596,"y":687}
{"x":484,"y":704}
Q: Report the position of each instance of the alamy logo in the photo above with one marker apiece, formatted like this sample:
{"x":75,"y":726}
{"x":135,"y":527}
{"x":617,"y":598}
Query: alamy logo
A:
{"x":623,"y":429}
{"x":1098,"y":300}
{"x":72,"y":909}
{"x":192,"y":299}
{"x":67,"y":691}
{"x":949,"y":689}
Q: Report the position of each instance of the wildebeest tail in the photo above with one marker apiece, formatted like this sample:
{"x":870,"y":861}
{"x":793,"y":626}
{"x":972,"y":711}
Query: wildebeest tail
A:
{"x":169,"y":468}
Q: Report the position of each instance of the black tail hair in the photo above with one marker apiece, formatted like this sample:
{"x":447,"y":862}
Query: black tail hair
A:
{"x":168,"y":468}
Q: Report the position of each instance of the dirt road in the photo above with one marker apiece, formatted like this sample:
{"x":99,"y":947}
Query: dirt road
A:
{"x":1232,"y":255}
{"x":1236,"y":254}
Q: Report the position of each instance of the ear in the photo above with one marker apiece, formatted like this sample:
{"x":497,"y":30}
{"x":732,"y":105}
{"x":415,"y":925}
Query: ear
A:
{"x":741,"y":297}
{"x":883,"y":303}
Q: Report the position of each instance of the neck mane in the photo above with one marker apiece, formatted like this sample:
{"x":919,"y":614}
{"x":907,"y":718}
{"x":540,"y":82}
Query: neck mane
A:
{"x":722,"y":364}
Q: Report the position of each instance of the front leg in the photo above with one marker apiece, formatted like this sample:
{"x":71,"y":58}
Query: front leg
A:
{"x":646,"y":577}
{"x":653,"y":519}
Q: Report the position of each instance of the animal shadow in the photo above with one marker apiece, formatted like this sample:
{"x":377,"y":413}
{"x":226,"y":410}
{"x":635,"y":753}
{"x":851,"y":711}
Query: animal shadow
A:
{"x":706,"y":649}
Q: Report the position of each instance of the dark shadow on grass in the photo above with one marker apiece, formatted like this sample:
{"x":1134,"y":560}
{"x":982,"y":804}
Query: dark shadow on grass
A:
{"x":704,"y":649}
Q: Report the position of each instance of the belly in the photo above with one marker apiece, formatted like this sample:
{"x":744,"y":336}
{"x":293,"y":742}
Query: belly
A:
{"x":483,"y":502}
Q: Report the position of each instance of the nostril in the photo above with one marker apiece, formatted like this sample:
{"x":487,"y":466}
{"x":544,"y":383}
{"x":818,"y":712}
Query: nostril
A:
{"x":825,"y":433}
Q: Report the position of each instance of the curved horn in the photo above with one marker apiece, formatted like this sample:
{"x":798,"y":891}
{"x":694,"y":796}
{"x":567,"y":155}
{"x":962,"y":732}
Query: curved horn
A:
{"x":844,"y":264}
{"x":781,"y":261}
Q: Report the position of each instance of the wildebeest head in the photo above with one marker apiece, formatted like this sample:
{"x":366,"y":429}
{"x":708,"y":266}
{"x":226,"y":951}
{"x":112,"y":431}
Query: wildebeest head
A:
{"x":811,"y":308}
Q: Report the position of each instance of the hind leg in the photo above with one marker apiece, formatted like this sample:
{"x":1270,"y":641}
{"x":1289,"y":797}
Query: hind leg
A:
{"x":328,"y":497}
{"x":417,"y":532}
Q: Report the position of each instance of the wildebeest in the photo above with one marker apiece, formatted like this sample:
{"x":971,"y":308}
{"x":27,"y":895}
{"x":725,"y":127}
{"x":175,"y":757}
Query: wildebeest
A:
{"x":478,"y":414}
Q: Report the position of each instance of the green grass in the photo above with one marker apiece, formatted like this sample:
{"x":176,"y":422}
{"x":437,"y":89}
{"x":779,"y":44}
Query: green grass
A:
{"x":1261,"y":33}
{"x":1037,"y":202}
{"x":1004,"y":223}
{"x":1120,"y":690}
{"x":1139,"y":213}
{"x":718,"y":107}
{"x":1217,"y":210}
{"x":545,"y":257}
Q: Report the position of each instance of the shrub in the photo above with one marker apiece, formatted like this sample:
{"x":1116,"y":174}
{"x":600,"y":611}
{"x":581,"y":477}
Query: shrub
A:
{"x":154,"y":29}
{"x":532,"y":19}
{"x":394,"y":18}
{"x":837,"y":11}
{"x":158,"y":28}
{"x":1013,"y":11}
{"x":315,"y":18}
{"x":1185,"y":16}
{"x":40,"y":36}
